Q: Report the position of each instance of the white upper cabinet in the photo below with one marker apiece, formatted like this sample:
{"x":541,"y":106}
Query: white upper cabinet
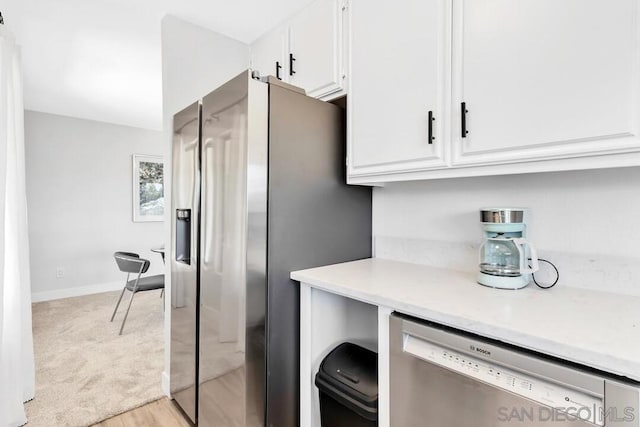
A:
{"x":309,"y":49}
{"x":398,"y":82}
{"x":269,"y":54}
{"x":316,"y":48}
{"x":547,"y":85}
{"x":544,"y":79}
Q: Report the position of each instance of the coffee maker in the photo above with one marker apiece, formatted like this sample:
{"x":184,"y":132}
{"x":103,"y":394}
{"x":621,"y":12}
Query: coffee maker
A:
{"x":507,"y":259}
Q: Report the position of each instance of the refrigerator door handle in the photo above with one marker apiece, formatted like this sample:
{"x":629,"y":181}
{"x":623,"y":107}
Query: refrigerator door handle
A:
{"x":213,"y":151}
{"x":205,"y":202}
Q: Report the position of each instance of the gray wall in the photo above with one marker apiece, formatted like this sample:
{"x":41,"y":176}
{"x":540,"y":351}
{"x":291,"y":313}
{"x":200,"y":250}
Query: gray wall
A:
{"x":79,"y":194}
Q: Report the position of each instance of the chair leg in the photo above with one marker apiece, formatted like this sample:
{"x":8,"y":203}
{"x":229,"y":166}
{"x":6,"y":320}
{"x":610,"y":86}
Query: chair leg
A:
{"x":127,"y":313}
{"x":117,"y":304}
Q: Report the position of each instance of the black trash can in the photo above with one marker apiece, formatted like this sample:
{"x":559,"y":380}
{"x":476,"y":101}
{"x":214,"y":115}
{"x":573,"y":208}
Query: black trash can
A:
{"x":348,"y":385}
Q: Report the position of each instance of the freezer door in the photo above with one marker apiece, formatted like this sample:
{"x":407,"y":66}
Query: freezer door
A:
{"x":233,"y":254}
{"x":183,"y":256}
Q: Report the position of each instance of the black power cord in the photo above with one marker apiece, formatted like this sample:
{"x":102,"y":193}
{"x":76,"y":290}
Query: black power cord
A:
{"x":533,"y":276}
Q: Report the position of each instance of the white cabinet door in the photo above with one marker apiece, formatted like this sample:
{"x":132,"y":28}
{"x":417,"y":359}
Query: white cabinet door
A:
{"x":544,"y":79}
{"x":398,"y":78}
{"x":268,"y":54}
{"x":315,"y":61}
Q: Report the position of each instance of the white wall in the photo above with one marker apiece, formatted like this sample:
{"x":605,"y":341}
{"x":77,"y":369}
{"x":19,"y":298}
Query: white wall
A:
{"x":195,"y":61}
{"x":587,"y":222}
{"x":79,"y":193}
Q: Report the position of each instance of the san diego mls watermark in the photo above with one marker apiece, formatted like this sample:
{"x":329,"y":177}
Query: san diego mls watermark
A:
{"x":593,"y":414}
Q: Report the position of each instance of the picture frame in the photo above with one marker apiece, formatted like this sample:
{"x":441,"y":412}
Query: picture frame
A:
{"x":148,"y":188}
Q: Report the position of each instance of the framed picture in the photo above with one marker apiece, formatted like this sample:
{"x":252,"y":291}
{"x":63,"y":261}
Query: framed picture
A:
{"x":148,"y":188}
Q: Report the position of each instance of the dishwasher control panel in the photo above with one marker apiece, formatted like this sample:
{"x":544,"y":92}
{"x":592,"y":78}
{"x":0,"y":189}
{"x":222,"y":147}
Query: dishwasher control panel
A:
{"x":576,"y":403}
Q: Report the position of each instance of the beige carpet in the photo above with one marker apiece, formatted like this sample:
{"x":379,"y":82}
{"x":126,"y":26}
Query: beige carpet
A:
{"x":85,"y":371}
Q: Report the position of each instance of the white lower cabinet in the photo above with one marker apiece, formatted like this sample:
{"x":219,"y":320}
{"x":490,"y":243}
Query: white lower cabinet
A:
{"x":533,"y":85}
{"x":327,"y":320}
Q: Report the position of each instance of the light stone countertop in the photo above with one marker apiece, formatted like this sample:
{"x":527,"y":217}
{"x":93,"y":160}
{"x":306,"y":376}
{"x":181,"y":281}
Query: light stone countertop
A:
{"x":597,"y":329}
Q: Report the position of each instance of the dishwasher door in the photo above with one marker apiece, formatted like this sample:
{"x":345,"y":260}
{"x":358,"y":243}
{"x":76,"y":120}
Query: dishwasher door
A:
{"x":444,"y":378}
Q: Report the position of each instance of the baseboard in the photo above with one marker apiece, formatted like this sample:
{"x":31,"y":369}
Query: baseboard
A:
{"x":165,"y":384}
{"x":76,"y":292}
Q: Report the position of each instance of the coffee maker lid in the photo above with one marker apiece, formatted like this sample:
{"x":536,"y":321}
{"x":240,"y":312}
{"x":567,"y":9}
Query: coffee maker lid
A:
{"x":502,"y":215}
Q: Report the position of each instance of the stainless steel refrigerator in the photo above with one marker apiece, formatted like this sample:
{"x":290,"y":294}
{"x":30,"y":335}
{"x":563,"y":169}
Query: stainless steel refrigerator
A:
{"x":258,"y":190}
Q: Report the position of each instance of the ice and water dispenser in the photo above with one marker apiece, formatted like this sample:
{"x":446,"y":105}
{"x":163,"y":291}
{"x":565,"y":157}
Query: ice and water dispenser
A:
{"x":183,"y":236}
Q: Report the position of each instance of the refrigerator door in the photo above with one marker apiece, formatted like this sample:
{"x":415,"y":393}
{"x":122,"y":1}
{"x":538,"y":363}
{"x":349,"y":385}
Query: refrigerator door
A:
{"x":183,"y":256}
{"x":233,"y":254}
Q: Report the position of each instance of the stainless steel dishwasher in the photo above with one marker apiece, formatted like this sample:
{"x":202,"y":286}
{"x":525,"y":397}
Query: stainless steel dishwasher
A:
{"x":442,"y":377}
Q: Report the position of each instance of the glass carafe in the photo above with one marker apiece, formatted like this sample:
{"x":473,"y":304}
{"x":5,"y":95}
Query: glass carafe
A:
{"x":507,"y":256}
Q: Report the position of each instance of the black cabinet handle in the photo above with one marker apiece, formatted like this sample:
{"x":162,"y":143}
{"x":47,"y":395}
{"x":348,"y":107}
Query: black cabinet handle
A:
{"x":278,"y":68}
{"x":463,"y":118}
{"x":291,"y":59}
{"x":431,"y":120}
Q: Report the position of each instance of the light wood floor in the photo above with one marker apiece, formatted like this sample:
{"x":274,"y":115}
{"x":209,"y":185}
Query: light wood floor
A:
{"x":225,"y":408}
{"x":161,"y":413}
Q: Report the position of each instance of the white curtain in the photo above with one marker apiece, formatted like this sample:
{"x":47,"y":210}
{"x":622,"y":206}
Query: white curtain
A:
{"x":17,"y":372}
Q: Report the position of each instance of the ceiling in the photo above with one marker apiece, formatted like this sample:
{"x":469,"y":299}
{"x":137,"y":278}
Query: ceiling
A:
{"x":100,"y":59}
